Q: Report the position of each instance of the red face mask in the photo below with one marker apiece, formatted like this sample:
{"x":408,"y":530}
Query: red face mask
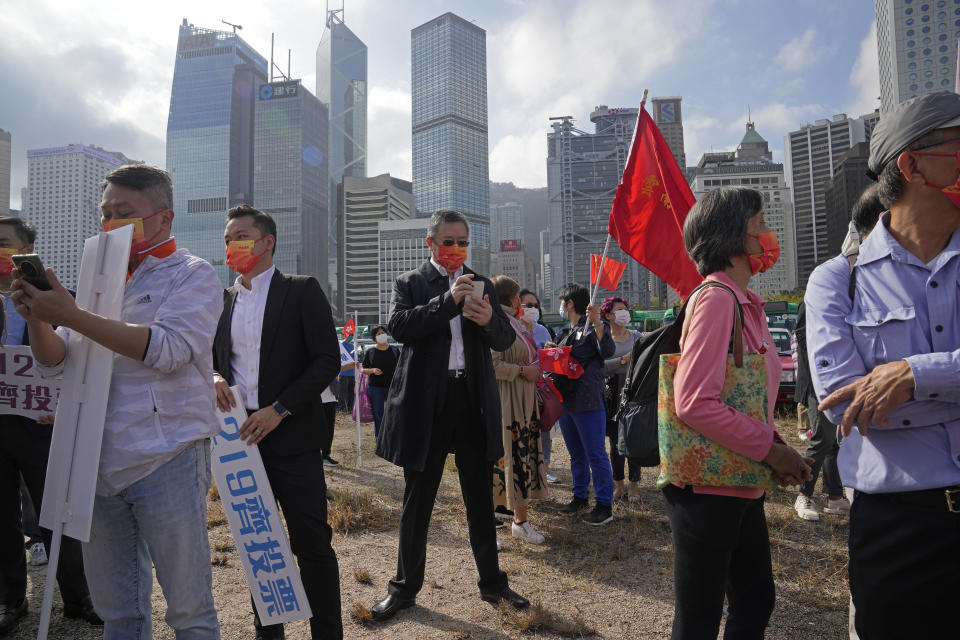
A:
{"x":451,"y":258}
{"x":760,"y":262}
{"x":951,"y":191}
{"x":240,"y":256}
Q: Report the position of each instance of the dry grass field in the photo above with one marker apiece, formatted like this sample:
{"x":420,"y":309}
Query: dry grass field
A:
{"x":585,"y":582}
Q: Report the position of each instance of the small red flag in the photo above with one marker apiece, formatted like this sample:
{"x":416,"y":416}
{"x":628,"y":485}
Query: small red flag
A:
{"x":559,"y":360}
{"x":349,"y":328}
{"x":612,"y":271}
{"x":650,"y":206}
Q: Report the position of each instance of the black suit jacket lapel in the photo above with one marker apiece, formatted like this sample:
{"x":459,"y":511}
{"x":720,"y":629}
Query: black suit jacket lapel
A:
{"x":272,"y":314}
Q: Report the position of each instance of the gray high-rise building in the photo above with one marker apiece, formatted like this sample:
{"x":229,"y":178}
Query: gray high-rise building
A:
{"x":342,"y":86}
{"x":811,"y":155}
{"x":290,"y":175}
{"x":668,"y":115}
{"x":364,"y":203}
{"x":583,"y":171}
{"x":917,"y":47}
{"x":216,"y":77}
{"x":402,"y":247}
{"x":5,"y":140}
{"x":842,"y":192}
{"x":506,"y":223}
{"x":450,"y":150}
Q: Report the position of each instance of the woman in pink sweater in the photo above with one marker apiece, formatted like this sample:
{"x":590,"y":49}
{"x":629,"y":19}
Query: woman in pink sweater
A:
{"x":720,"y":541}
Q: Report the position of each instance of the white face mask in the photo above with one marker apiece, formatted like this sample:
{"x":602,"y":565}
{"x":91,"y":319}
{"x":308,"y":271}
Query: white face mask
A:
{"x":381,"y":338}
{"x":563,"y":309}
{"x":621,"y":317}
{"x":530,"y":315}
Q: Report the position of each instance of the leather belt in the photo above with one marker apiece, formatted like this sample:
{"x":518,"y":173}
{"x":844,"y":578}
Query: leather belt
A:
{"x":456,"y":373}
{"x":948,"y":497}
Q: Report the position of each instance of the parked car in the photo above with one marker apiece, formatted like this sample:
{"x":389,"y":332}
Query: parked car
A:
{"x":788,"y":373}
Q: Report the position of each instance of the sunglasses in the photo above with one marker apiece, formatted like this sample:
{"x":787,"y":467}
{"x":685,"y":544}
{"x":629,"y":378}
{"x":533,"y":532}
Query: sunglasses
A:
{"x":531,"y":305}
{"x":460,"y":243}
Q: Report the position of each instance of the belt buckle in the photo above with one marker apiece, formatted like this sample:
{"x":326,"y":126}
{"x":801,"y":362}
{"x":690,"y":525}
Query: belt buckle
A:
{"x":951,"y":505}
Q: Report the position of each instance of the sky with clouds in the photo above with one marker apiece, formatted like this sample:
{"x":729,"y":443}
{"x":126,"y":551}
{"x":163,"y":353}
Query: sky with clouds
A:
{"x":99,"y":72}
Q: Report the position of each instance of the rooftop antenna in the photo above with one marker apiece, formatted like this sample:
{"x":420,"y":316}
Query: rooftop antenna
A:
{"x":749,"y":119}
{"x":230,"y":24}
{"x":273,"y":65}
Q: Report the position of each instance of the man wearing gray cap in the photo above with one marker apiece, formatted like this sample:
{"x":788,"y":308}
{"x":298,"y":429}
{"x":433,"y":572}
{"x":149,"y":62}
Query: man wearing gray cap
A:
{"x":885,"y":363}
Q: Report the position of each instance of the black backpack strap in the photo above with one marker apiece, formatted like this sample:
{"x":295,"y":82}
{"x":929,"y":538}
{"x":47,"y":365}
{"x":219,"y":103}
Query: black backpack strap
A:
{"x":852,"y":258}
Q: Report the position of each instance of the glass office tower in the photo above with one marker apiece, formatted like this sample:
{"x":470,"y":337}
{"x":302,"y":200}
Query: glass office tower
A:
{"x":450,"y":151}
{"x":290,"y":175}
{"x":342,"y":86}
{"x":210,"y":136}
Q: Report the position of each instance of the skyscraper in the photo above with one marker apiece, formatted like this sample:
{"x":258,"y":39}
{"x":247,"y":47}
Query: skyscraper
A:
{"x":669,"y":118}
{"x":210,"y":136}
{"x":63,"y":202}
{"x":290,"y":175}
{"x":506,"y":223}
{"x":810,"y":155}
{"x":365,"y":202}
{"x":842,"y":192}
{"x":450,"y":152}
{"x":5,"y":173}
{"x":342,"y":86}
{"x":752,"y":165}
{"x":583,"y":171}
{"x":402,"y":247}
{"x":917,"y":47}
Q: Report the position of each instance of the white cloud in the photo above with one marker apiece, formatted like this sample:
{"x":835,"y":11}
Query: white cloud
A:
{"x":800,"y":52}
{"x":865,"y":76}
{"x":388,"y":132}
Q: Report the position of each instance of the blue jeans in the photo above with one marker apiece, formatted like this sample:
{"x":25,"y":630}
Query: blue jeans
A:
{"x":378,"y":398}
{"x":546,"y":443}
{"x":161,"y":518}
{"x":585,"y":436}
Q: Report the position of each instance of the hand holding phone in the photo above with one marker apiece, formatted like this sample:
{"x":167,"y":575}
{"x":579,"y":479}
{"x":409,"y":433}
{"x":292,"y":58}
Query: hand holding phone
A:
{"x":477,"y":289}
{"x":32,"y":271}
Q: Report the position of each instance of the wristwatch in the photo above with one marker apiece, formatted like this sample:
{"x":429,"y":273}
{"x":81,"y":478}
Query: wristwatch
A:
{"x":281,"y":410}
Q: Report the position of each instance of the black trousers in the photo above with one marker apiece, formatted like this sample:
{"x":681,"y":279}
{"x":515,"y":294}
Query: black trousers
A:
{"x":24,"y":448}
{"x":720,"y":547}
{"x":468,"y":442}
{"x":301,"y":491}
{"x":904,"y":568}
{"x":330,"y":413}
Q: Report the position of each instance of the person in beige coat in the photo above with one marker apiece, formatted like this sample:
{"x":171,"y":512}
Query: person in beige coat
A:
{"x":520,"y":475}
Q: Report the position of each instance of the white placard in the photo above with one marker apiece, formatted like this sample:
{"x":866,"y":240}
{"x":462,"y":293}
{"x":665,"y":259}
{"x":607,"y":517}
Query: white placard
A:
{"x":22,"y":391}
{"x":268,"y":562}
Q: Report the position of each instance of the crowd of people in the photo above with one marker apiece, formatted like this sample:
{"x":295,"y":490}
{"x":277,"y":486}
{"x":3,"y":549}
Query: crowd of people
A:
{"x":878,"y":354}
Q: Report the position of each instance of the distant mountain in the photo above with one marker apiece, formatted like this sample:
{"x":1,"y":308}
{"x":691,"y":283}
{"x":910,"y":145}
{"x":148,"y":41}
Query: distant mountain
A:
{"x":534,"y":203}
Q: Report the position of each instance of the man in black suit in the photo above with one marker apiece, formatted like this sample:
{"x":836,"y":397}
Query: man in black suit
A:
{"x":444,"y":398}
{"x":276,"y":341}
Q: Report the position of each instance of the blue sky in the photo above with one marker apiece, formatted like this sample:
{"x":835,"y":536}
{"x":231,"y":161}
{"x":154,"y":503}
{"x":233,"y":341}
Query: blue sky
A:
{"x":99,"y":72}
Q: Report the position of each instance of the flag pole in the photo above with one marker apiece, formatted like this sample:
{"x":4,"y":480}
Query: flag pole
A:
{"x":356,"y":384}
{"x":606,"y":246}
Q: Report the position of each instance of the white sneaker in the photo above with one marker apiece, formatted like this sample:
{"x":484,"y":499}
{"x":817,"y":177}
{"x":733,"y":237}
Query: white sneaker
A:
{"x":840,"y":507}
{"x":552,"y":477}
{"x":525,"y":532}
{"x":38,"y":555}
{"x":499,"y":545}
{"x":805,"y":508}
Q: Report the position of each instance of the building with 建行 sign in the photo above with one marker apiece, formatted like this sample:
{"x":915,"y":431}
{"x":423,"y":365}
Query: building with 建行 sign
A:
{"x":342,"y":86}
{"x":290,"y":175}
{"x":403,"y":247}
{"x":450,"y":146}
{"x":583,"y":171}
{"x":216,"y":77}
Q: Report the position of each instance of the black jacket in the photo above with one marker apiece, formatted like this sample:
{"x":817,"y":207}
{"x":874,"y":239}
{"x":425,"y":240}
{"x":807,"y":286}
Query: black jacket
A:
{"x":423,"y":308}
{"x":299,"y":358}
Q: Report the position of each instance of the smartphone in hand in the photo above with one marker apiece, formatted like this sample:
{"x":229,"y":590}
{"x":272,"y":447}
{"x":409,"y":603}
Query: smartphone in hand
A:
{"x":31,"y":269}
{"x":477,"y":289}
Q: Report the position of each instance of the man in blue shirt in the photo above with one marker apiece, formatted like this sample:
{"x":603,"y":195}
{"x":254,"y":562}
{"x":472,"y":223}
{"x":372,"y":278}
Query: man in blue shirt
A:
{"x":885,"y":362}
{"x":346,"y":390}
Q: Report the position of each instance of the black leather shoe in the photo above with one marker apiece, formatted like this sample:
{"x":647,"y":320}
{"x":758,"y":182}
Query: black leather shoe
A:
{"x":270,"y":634}
{"x":10,"y":616}
{"x":508,"y":595}
{"x":389,"y":606}
{"x":82,"y":609}
{"x":575,"y":506}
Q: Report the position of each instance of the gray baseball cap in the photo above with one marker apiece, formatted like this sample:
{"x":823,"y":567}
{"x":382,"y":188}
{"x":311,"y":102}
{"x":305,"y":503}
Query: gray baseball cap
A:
{"x":910,"y":121}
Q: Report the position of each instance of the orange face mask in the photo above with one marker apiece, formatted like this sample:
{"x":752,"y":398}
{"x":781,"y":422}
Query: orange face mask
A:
{"x":6,"y":261}
{"x":139,"y":243}
{"x":451,"y":258}
{"x":240,"y":256}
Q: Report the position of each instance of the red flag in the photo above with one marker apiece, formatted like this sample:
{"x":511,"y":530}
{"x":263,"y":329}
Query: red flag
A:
{"x":650,"y":206}
{"x":612,"y":271}
{"x":349,"y":328}
{"x":558,"y":360}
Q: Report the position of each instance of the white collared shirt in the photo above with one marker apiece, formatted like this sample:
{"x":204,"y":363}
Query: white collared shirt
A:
{"x":246,"y":329}
{"x":457,"y":360}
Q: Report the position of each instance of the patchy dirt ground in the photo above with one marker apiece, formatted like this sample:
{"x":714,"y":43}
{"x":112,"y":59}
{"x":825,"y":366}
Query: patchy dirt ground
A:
{"x":607,"y":582}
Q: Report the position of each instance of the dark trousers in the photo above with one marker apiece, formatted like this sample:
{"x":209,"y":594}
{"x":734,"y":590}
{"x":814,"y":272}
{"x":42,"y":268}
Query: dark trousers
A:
{"x":24,"y":448}
{"x":30,"y":518}
{"x":823,"y":448}
{"x":298,"y":484}
{"x":618,"y":461}
{"x":467,"y":440}
{"x":330,"y":414}
{"x":904,"y":568}
{"x":346,"y":393}
{"x":378,"y":399}
{"x":720,"y":547}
